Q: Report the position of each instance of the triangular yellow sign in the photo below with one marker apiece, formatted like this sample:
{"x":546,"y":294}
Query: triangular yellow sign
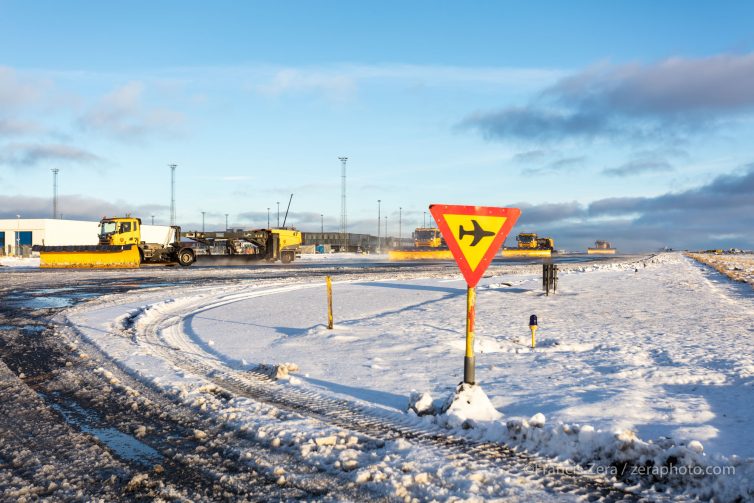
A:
{"x":473,"y":243}
{"x":474,"y":234}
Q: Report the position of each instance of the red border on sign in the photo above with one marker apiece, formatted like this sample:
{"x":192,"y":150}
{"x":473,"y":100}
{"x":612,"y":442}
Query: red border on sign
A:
{"x":440,"y":210}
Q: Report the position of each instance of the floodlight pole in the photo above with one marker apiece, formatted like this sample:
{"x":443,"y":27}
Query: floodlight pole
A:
{"x":379,"y":243}
{"x":18,"y":235}
{"x":55,"y":172}
{"x":172,"y":193}
{"x":387,"y":244}
{"x":400,"y":221}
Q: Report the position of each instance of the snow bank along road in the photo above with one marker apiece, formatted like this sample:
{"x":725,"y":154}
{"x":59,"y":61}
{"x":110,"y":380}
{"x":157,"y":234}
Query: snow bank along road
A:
{"x":637,"y":363}
{"x":738,"y":267}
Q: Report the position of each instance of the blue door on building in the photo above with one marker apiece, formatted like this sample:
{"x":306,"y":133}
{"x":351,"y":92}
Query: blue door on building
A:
{"x":2,"y":243}
{"x":24,"y":238}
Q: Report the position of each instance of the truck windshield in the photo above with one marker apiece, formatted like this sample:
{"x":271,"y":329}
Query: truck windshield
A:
{"x":425,"y":235}
{"x":106,"y":228}
{"x":526,"y":238}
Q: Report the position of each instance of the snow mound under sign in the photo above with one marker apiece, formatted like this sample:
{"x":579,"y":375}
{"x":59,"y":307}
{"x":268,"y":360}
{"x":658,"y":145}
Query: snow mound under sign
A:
{"x":469,"y":405}
{"x":466,"y":407}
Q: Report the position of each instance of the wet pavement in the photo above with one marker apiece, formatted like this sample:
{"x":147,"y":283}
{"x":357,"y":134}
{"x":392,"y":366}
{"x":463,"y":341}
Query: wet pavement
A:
{"x":68,"y":433}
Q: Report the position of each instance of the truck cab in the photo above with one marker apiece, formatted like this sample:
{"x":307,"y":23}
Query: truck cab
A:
{"x":120,"y":231}
{"x":545,"y":243}
{"x":527,"y":240}
{"x":428,"y":238}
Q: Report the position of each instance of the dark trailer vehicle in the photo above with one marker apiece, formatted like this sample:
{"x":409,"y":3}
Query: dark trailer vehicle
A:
{"x":242,"y":247}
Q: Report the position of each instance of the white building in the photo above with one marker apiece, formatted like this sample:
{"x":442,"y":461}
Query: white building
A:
{"x":15,"y":233}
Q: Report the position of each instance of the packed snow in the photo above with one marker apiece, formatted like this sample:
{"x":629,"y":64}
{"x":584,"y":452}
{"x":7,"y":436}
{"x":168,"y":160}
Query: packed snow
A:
{"x":11,"y":261}
{"x":639,"y":363}
{"x":341,"y":257}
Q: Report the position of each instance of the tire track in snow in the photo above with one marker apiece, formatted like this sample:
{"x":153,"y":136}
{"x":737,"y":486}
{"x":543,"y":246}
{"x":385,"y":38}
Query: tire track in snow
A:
{"x":164,"y":335}
{"x":722,"y":286}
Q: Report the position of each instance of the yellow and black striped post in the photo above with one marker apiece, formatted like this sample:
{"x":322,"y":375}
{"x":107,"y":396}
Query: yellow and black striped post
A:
{"x":468,"y":361}
{"x":329,"y":303}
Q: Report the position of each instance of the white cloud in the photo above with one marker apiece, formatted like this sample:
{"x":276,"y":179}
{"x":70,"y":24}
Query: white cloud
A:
{"x":14,"y":127}
{"x":32,"y":154}
{"x":124,"y":115}
{"x":16,"y":91}
{"x":74,"y":207}
{"x":341,"y":82}
{"x":637,"y":102}
{"x":337,"y":87}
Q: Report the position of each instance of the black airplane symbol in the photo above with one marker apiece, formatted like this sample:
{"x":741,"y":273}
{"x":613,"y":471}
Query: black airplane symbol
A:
{"x":478,"y":233}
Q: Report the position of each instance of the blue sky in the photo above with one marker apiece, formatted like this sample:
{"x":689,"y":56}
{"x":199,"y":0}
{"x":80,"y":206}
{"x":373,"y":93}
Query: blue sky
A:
{"x":627,"y":121}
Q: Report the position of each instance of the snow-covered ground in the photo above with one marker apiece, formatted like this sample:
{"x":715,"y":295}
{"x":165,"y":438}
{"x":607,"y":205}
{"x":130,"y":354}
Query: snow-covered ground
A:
{"x":19,"y":262}
{"x":643,"y":358}
{"x":341,"y":257}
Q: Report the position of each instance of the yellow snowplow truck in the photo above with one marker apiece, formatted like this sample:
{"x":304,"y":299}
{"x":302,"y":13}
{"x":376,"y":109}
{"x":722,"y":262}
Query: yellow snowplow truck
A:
{"x":428,"y":245}
{"x":428,"y":238}
{"x":120,"y":246}
{"x":546,"y":244}
{"x":601,"y":248}
{"x":529,"y":245}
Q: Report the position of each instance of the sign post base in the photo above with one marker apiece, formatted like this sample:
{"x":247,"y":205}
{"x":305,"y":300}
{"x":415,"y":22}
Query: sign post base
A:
{"x":468,"y":369}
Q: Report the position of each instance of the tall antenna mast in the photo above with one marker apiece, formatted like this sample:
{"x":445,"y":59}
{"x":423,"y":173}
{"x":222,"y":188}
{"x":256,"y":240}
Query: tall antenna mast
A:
{"x":343,"y":215}
{"x":287,"y":210}
{"x":55,"y":172}
{"x":172,"y":193}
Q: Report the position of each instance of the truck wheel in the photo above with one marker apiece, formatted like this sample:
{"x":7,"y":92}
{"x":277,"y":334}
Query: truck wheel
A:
{"x":185,"y":258}
{"x":286,"y":257}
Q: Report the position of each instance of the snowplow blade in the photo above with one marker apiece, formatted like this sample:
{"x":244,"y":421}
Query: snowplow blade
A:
{"x":518,"y":252}
{"x":601,"y":251}
{"x":432,"y":254}
{"x":88,"y":257}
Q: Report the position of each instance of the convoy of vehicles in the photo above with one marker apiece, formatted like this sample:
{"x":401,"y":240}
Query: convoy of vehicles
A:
{"x":121,"y":246}
{"x":124,"y":242}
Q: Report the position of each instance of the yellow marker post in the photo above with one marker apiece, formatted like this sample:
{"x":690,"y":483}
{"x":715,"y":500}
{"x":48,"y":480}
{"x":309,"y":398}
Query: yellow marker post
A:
{"x":329,"y":303}
{"x":468,"y":361}
{"x":533,"y":328}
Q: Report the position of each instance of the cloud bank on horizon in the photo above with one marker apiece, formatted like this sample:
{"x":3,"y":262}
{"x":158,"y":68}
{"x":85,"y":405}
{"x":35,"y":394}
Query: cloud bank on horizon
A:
{"x":708,"y":216}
